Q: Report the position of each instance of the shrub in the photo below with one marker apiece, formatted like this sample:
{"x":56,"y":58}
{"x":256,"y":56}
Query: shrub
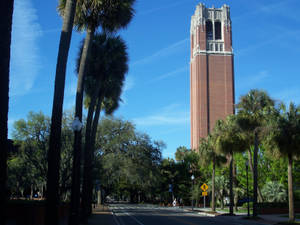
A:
{"x":274,"y":191}
{"x":245,"y":205}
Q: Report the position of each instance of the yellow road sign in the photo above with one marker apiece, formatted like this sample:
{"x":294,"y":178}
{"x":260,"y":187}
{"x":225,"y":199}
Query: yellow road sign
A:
{"x":204,"y":193}
{"x":204,"y":187}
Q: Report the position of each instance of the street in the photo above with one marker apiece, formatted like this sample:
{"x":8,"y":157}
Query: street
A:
{"x":129,"y":214}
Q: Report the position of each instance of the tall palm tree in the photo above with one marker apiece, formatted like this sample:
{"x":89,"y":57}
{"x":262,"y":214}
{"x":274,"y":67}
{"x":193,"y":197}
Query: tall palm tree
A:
{"x":108,"y":66}
{"x":207,"y":154}
{"x":229,"y":140}
{"x":283,"y":136}
{"x":110,"y":15}
{"x":6,"y":12}
{"x":56,"y":118}
{"x":253,"y":109}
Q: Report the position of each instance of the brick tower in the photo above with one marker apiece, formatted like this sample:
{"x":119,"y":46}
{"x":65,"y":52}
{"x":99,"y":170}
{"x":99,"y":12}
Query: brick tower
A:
{"x":211,"y":70}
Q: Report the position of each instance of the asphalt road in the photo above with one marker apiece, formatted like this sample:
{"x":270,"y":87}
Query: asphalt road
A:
{"x":128,"y":214}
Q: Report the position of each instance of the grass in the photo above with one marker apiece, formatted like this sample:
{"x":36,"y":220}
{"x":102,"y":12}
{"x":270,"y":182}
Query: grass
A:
{"x":241,"y":210}
{"x":297,"y":216}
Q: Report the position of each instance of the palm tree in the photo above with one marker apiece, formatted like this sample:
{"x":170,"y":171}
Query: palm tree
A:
{"x":283,"y":137}
{"x":253,"y":109}
{"x":90,"y":14}
{"x":207,"y":154}
{"x":6,"y":12}
{"x":221,"y":185}
{"x":107,"y":66}
{"x":56,"y":118}
{"x":229,"y":140}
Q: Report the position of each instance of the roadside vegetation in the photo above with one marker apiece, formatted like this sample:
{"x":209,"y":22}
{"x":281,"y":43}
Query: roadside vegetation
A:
{"x":128,"y":164}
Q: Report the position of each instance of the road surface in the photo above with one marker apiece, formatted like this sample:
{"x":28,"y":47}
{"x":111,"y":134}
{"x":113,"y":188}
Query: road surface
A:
{"x":129,"y":214}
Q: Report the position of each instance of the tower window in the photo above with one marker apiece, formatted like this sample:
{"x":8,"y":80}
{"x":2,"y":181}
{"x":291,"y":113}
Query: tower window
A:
{"x":209,"y":30}
{"x":218,"y":32}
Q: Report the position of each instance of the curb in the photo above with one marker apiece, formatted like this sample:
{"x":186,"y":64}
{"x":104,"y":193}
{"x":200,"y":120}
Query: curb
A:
{"x":200,"y":213}
{"x":206,"y":214}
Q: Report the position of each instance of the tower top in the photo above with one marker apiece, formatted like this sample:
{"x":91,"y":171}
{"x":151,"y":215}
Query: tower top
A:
{"x":203,"y":13}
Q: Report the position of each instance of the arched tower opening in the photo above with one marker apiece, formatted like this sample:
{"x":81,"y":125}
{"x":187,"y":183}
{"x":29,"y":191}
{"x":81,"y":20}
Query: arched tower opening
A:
{"x":209,"y":30}
{"x":218,"y":30}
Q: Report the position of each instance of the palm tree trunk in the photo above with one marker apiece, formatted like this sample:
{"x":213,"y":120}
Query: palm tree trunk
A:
{"x":255,"y":153}
{"x":213,"y":204}
{"x":56,"y":119}
{"x":6,"y":11}
{"x":260,"y":197}
{"x":78,"y":113}
{"x":235,"y":185}
{"x":290,"y":185}
{"x":75,"y":193}
{"x":87,"y":154}
{"x":222,"y":201}
{"x":231,"y":185}
{"x":75,"y":188}
{"x":95,"y":122}
{"x":92,"y":150}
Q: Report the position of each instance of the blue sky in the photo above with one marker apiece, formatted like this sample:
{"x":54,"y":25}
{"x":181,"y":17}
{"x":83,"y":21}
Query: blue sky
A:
{"x":266,"y":42}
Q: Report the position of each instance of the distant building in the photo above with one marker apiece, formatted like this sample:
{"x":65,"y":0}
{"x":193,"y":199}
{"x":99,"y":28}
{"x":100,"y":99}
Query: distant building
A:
{"x":211,"y":70}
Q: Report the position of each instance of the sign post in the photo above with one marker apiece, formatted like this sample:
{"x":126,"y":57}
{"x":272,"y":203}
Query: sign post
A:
{"x":204,"y":188}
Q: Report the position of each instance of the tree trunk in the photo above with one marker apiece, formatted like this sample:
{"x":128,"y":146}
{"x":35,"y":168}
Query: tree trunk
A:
{"x":87,"y":152}
{"x":255,"y":153}
{"x":75,"y":188}
{"x":231,"y":185}
{"x":42,"y":191}
{"x":222,"y":202}
{"x":6,"y":11}
{"x":260,"y":197}
{"x":79,"y":99}
{"x":213,"y":204}
{"x":91,"y":152}
{"x":235,"y":185}
{"x":52,"y":202}
{"x":75,"y":193}
{"x":31,"y":192}
{"x":290,"y":187}
{"x":96,"y":121}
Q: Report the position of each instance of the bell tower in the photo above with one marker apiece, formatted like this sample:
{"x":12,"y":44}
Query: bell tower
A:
{"x":211,"y":70}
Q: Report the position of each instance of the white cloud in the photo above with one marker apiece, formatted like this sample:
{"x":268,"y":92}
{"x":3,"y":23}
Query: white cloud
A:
{"x":171,"y":49}
{"x":254,"y":79}
{"x":129,"y":83}
{"x":25,"y":59}
{"x":170,"y":115}
{"x":172,"y":73}
{"x":259,"y":7}
{"x":174,"y":4}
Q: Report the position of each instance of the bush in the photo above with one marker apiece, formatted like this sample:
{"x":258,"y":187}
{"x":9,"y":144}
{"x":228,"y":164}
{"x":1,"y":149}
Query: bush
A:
{"x":297,"y":195}
{"x":245,"y":205}
{"x":274,"y":191}
{"x":277,"y":205}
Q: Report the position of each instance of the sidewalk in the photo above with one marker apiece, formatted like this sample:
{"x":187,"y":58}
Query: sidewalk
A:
{"x":265,"y":218}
